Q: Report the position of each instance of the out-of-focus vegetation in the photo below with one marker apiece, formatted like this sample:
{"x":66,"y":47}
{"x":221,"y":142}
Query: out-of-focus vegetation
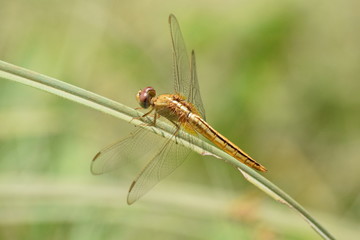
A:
{"x":279,"y":78}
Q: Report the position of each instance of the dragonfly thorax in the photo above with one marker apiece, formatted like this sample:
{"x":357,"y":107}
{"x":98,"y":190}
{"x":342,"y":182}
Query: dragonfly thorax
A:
{"x":145,"y":96}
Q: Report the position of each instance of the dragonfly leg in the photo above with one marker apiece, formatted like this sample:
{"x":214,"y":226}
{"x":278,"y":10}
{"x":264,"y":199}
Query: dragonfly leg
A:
{"x":152,"y":109}
{"x":154,"y":122}
{"x":143,"y":116}
{"x":149,"y":124}
{"x":177,"y":126}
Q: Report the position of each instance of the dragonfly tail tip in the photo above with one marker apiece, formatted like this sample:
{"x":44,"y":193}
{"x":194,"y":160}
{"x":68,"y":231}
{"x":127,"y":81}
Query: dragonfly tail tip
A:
{"x":262,"y":168}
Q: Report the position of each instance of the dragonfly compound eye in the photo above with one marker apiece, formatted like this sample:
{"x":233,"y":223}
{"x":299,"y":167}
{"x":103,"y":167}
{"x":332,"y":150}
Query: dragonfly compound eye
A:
{"x":144,"y":96}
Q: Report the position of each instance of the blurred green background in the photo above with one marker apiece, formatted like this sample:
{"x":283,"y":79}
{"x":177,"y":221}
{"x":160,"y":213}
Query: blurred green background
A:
{"x":279,"y":78}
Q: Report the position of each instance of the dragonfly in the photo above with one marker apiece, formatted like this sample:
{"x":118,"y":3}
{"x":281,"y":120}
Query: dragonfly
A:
{"x":184,"y":110}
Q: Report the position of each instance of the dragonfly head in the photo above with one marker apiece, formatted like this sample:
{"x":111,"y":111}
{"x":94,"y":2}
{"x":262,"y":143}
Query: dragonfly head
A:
{"x":144,"y":96}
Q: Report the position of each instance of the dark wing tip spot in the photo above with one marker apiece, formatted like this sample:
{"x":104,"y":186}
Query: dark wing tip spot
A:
{"x":129,"y":202}
{"x":132,"y":186}
{"x":171,"y":16}
{"x":96,"y":156}
{"x":92,"y":165}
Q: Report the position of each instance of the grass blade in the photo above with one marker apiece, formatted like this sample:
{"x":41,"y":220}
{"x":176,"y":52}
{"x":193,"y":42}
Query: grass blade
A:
{"x":92,"y":100}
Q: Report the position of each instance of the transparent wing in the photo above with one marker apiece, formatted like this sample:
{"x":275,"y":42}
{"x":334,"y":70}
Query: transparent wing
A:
{"x":194,"y":95}
{"x":165,"y":154}
{"x":139,"y":144}
{"x":185,"y":77}
{"x":182,"y":77}
{"x":170,"y":157}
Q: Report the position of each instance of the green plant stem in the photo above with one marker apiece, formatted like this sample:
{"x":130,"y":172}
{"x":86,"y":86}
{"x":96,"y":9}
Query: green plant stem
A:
{"x":92,"y":100}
